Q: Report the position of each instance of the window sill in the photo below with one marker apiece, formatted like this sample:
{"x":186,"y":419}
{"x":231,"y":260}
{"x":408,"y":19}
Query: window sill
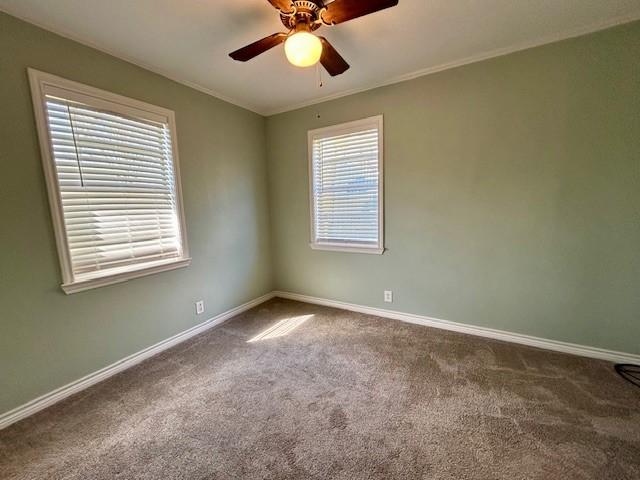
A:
{"x":157,"y":267}
{"x":333,"y":247}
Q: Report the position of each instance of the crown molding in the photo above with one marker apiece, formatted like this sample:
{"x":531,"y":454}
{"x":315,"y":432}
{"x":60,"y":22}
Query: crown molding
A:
{"x":158,"y":71}
{"x":577,"y":32}
{"x":572,"y":33}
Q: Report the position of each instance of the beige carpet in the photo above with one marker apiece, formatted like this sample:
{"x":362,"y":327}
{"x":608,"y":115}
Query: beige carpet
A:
{"x":290,"y":390}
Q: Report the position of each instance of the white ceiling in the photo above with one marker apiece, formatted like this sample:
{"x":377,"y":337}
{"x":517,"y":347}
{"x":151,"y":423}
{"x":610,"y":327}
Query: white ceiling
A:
{"x":189,"y":40}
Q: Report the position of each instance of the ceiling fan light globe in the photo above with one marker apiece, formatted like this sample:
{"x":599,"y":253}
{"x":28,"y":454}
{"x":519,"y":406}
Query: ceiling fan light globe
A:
{"x":303,"y":49}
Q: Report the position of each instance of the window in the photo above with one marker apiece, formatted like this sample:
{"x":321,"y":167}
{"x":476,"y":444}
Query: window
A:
{"x":345,"y":169}
{"x":111,"y":167}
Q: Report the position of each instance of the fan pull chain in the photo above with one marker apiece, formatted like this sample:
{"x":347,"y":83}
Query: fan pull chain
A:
{"x":319,"y":75}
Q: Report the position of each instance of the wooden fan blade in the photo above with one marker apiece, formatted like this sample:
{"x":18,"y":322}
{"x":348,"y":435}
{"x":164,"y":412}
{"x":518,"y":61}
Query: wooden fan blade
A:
{"x":331,"y":59}
{"x":342,"y":10}
{"x":285,"y":6}
{"x":256,"y":48}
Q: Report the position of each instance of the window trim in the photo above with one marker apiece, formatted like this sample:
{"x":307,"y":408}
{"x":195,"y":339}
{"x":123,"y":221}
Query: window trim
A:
{"x":41,"y":82}
{"x":339,"y":129}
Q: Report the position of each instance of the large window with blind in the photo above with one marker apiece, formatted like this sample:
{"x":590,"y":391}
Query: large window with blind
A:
{"x":345,"y":170}
{"x":111,"y":166}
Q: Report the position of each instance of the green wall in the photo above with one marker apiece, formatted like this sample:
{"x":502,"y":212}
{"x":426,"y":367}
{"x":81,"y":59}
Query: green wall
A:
{"x":512,"y":194}
{"x":47,"y":338}
{"x":512,"y":200}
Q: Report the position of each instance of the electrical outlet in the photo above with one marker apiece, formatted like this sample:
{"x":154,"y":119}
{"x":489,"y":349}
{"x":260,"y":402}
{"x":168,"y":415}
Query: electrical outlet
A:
{"x":200,"y":307}
{"x":388,"y":296}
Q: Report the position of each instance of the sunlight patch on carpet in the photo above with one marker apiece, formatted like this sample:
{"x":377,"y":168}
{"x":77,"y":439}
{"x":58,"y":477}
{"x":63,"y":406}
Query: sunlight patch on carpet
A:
{"x":282,"y":328}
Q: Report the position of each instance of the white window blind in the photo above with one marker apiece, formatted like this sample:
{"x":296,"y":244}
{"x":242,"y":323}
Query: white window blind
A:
{"x":346,"y":186}
{"x":116,"y":183}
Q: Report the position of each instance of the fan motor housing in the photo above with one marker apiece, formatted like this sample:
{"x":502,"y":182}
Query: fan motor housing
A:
{"x":306,"y":12}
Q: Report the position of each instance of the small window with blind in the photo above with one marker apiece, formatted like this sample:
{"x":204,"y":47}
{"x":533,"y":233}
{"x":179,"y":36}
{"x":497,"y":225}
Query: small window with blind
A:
{"x":345,"y":169}
{"x":111,"y":167}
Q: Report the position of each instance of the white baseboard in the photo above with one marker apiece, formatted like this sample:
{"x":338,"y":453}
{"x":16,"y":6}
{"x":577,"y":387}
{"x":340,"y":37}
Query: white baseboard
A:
{"x":555,"y":345}
{"x":58,"y":394}
{"x":65,"y":391}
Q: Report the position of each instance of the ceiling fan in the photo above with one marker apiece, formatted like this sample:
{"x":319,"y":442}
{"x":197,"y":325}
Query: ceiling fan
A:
{"x":301,"y":18}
